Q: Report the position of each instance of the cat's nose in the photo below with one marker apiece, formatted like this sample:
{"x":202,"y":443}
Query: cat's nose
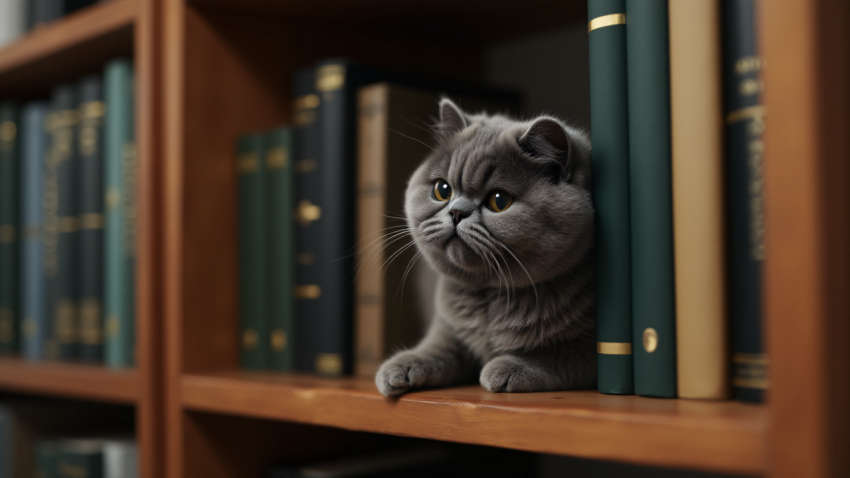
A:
{"x":458,"y":215}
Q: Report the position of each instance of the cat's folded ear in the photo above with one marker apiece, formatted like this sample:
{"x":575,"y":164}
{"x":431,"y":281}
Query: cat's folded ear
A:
{"x":452,"y":119}
{"x":547,"y":140}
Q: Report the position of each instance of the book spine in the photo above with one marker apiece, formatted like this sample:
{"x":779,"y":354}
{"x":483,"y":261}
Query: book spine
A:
{"x":13,"y":20}
{"x":281,"y":247}
{"x":370,"y":313}
{"x":337,"y":159}
{"x":744,"y":115}
{"x":308,"y":219}
{"x":90,"y":152}
{"x":650,"y":189}
{"x":34,"y":324}
{"x":610,"y":161}
{"x":697,"y":145}
{"x":120,"y":459}
{"x":46,"y":455}
{"x":253,"y":253}
{"x":66,"y":308}
{"x":50,"y":233}
{"x":10,"y":128}
{"x":71,"y":463}
{"x":119,"y":229}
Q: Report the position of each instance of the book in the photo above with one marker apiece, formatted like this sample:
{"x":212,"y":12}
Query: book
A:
{"x":403,"y":462}
{"x":280,"y":194}
{"x":120,"y":458}
{"x":13,"y":20}
{"x":253,"y":253}
{"x":46,"y":452}
{"x":78,"y":458}
{"x":10,"y":127}
{"x":744,"y":116}
{"x":308,"y":233}
{"x":697,"y":148}
{"x":35,"y":323}
{"x":650,"y":190}
{"x":7,"y":443}
{"x":392,"y":141}
{"x":65,"y":306}
{"x":119,"y":155}
{"x":610,"y":162}
{"x":90,"y":151}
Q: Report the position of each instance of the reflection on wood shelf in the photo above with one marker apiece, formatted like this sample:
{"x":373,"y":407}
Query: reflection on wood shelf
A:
{"x":69,"y":380}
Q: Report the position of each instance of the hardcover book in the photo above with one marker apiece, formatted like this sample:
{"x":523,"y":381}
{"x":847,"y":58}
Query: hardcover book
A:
{"x":744,"y":115}
{"x":610,"y":161}
{"x":10,"y":129}
{"x":80,"y":458}
{"x":120,"y":217}
{"x":650,"y":189}
{"x":34,"y":323}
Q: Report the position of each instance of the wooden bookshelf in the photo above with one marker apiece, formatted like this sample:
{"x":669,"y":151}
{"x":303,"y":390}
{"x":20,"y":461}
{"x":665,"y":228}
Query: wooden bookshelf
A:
{"x":210,"y":70}
{"x":64,"y":50}
{"x":70,"y":380}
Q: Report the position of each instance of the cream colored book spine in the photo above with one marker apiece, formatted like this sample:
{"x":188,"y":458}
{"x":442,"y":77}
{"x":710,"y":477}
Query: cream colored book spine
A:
{"x":698,"y":219}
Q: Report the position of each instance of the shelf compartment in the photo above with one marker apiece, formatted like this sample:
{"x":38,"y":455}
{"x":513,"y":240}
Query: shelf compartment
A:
{"x":716,"y":436}
{"x":69,"y":380}
{"x":68,"y":47}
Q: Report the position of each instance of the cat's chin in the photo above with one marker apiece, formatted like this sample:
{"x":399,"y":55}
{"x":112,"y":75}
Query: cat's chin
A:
{"x":462,"y":256}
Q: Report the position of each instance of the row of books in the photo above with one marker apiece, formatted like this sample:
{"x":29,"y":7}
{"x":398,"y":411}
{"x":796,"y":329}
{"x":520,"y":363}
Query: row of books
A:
{"x":298,"y":224}
{"x":677,"y":150}
{"x":19,"y":16}
{"x":56,"y":439}
{"x":67,"y":251}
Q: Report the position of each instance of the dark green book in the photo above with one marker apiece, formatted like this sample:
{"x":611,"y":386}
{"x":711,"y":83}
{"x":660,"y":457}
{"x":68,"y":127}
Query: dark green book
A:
{"x":653,"y":286}
{"x":253,"y":253}
{"x":90,"y":152}
{"x":308,"y":233}
{"x":46,"y":454}
{"x":744,"y":197}
{"x":280,"y":195}
{"x":609,"y":111}
{"x":120,"y":218}
{"x":80,"y":459}
{"x":63,"y":149}
{"x":10,"y":128}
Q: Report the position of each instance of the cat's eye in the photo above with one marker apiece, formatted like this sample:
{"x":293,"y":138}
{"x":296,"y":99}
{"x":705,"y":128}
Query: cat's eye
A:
{"x":500,"y":200}
{"x":442,"y":191}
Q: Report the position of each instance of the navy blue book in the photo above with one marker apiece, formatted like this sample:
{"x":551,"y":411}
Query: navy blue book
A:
{"x":34,"y":318}
{"x":9,"y":226}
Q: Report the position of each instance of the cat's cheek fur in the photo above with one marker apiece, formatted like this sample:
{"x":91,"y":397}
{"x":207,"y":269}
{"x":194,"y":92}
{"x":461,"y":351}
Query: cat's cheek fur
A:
{"x":508,"y":373}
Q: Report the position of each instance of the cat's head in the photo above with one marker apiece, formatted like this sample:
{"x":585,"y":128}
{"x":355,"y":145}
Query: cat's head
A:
{"x":502,"y":201}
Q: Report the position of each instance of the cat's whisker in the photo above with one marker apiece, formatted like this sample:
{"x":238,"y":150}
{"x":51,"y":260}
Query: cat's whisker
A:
{"x":407,"y":270}
{"x":380,"y":248}
{"x":394,"y":255}
{"x":414,"y":139}
{"x":530,"y":279}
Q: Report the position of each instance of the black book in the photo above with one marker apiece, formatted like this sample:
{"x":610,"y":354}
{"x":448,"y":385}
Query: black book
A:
{"x":744,"y":150}
{"x":308,"y":233}
{"x":90,"y":152}
{"x":65,"y":310}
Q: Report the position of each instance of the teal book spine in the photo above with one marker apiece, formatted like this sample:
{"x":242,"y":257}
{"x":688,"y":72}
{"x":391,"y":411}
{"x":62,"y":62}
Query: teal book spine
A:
{"x":119,"y":222}
{"x":10,"y":128}
{"x":281,"y":248}
{"x":650,"y":156}
{"x":46,"y":454}
{"x":253,"y":253}
{"x":609,"y":118}
{"x":80,"y":459}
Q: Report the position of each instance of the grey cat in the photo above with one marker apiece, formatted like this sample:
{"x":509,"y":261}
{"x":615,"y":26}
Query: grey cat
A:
{"x":502,"y":210}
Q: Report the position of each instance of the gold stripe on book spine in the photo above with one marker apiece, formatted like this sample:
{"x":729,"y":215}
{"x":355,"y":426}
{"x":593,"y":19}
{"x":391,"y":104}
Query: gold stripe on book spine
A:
{"x":750,"y":112}
{"x":606,"y":21}
{"x":614,"y":348}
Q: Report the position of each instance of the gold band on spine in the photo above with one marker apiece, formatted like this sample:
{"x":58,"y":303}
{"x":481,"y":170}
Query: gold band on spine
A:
{"x":614,"y":348}
{"x":749,"y":112}
{"x":606,"y":21}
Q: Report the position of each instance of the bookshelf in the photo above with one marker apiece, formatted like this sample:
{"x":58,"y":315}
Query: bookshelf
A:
{"x":64,"y":50}
{"x":210,"y":70}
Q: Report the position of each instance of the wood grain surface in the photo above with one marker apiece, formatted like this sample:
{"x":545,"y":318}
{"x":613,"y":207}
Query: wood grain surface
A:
{"x":69,"y":380}
{"x":719,"y":436}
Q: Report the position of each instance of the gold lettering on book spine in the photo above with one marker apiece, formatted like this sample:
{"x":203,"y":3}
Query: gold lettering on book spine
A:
{"x":614,"y":348}
{"x":606,"y":21}
{"x":329,"y":364}
{"x":330,"y":78}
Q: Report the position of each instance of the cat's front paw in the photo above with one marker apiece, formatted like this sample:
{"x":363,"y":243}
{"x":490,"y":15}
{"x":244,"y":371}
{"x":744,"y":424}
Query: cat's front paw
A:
{"x":512,"y":374}
{"x":406,"y":371}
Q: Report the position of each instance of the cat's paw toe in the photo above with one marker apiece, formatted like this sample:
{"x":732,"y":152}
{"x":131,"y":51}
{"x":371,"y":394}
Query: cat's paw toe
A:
{"x":402,"y":373}
{"x":508,"y":374}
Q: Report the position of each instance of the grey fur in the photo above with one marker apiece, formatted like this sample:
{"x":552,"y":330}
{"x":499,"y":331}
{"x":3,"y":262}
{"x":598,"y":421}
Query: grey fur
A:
{"x":515,"y":302}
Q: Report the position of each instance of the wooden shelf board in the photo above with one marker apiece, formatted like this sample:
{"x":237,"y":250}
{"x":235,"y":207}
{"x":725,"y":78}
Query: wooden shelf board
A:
{"x":716,"y":436}
{"x":69,"y":380}
{"x":64,"y":48}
